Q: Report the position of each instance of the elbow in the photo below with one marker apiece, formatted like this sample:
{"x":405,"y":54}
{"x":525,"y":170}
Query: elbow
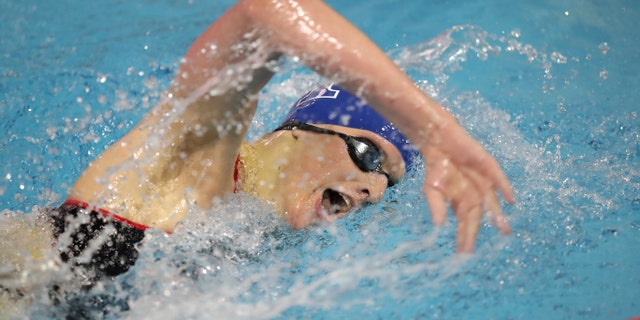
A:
{"x":264,"y":12}
{"x":256,"y":10}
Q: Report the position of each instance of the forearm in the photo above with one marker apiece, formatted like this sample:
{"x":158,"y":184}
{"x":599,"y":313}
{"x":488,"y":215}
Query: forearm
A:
{"x":322,"y":39}
{"x":333,"y":47}
{"x":229,"y":41}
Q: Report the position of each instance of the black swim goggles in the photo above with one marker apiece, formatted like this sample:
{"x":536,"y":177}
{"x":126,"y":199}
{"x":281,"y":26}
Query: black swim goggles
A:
{"x":364,"y":153}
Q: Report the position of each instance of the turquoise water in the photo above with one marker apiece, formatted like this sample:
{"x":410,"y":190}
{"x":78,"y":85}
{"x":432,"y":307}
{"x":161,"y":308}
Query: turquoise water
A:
{"x":549,"y":87}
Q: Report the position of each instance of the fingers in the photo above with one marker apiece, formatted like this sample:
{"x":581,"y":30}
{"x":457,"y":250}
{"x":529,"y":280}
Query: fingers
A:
{"x":436,"y":188}
{"x":470,"y":195}
{"x":502,"y":183}
{"x":470,"y":219}
{"x":490,"y":167}
{"x":488,"y":195}
{"x":437,"y":205}
{"x":493,"y":208}
{"x":468,"y":230}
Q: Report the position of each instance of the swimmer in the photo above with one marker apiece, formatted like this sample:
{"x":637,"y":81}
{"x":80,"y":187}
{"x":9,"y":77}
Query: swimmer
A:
{"x":336,"y":151}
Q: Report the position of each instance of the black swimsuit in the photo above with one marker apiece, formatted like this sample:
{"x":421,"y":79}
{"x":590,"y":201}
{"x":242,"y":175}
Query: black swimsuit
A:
{"x":111,"y":239}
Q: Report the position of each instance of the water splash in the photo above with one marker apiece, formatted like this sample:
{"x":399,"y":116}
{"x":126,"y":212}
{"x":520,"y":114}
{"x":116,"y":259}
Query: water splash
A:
{"x":239,"y":261}
{"x":451,"y":49}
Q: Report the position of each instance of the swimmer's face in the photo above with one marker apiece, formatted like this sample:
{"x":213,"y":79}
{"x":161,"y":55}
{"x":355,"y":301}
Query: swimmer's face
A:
{"x":322,"y":182}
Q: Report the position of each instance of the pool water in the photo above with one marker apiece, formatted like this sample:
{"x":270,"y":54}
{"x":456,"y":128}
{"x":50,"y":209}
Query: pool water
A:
{"x":548,"y":87}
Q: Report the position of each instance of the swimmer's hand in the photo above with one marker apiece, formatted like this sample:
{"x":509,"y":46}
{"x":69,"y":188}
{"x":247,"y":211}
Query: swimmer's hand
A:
{"x":462,"y":174}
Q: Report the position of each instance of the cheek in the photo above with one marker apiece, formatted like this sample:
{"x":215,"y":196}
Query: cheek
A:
{"x":304,"y":177}
{"x":318,"y":151}
{"x":298,"y":211}
{"x":309,"y":170}
{"x":293,"y":191}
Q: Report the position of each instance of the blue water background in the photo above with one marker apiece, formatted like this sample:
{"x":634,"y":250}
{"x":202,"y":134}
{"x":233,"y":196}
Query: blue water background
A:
{"x":575,"y":164}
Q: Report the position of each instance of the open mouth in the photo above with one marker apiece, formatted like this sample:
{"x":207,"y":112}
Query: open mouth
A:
{"x":335,"y":203}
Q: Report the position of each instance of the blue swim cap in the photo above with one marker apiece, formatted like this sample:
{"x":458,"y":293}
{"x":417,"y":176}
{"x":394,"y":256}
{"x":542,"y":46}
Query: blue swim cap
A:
{"x":333,"y":105}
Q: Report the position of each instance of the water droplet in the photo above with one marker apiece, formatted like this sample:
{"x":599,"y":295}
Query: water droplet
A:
{"x":558,"y":57}
{"x":154,"y":141}
{"x":561,"y":107}
{"x":604,"y":47}
{"x":604,"y":74}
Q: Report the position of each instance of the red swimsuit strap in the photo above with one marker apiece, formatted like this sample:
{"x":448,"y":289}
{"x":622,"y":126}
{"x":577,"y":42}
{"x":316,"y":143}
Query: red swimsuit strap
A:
{"x":116,"y":217}
{"x":236,"y":174}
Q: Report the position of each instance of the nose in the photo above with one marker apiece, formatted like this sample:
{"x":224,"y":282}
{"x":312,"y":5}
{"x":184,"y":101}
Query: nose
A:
{"x":373,"y":189}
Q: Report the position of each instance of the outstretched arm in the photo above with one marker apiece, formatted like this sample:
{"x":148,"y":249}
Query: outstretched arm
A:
{"x":460,"y":172}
